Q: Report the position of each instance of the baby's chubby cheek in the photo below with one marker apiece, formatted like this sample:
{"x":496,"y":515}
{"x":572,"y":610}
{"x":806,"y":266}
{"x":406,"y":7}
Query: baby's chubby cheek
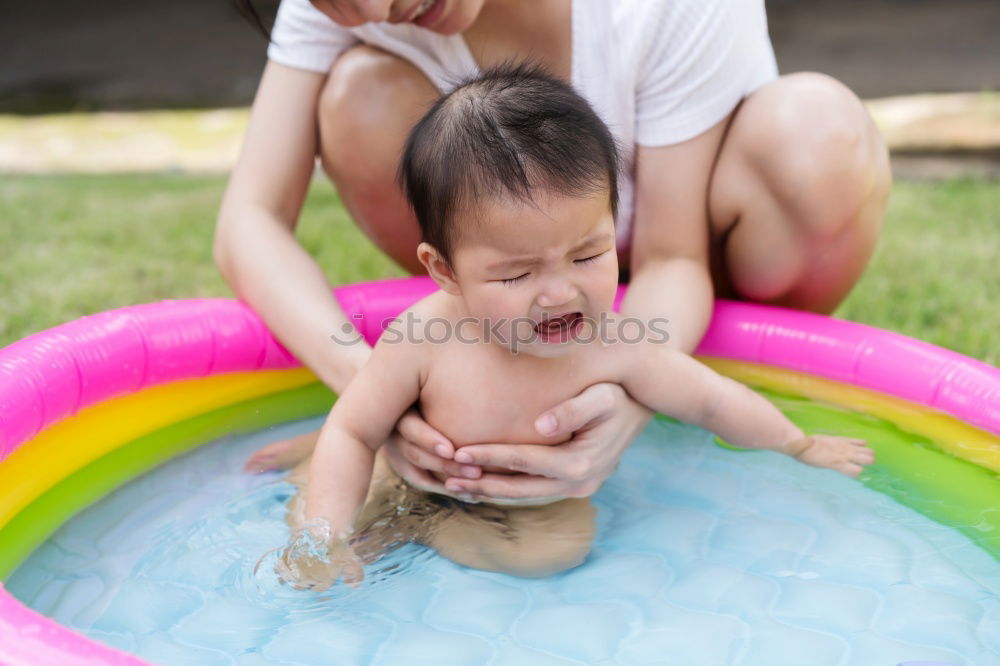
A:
{"x":506,"y":326}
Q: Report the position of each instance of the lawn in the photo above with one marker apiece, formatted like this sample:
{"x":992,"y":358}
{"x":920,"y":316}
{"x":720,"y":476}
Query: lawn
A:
{"x":75,"y":245}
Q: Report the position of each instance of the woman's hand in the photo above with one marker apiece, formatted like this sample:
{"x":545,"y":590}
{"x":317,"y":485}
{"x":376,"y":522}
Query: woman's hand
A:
{"x":416,"y":450}
{"x":603,"y":420}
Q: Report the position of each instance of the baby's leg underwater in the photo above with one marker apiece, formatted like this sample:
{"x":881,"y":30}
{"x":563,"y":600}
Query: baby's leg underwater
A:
{"x":529,"y":541}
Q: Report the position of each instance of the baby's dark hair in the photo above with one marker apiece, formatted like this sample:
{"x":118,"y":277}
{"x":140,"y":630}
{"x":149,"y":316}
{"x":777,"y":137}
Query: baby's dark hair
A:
{"x":510,"y":132}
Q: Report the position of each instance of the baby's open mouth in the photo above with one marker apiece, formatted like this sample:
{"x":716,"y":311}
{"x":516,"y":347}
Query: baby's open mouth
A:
{"x":561,"y":328}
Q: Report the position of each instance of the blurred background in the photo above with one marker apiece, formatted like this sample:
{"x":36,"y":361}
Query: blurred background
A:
{"x":119,"y":121}
{"x":64,"y":55}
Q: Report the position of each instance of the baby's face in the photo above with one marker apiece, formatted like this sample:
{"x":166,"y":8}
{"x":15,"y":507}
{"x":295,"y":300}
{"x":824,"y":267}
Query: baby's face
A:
{"x":539,"y":274}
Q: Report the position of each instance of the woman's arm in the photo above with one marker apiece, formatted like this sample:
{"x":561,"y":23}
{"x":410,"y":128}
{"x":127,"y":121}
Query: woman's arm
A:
{"x":670,"y":242}
{"x":258,"y":255}
{"x":255,"y":245}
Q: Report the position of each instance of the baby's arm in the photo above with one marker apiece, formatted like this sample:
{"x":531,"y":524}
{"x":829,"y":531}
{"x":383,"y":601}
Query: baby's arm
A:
{"x":677,"y":385}
{"x":361,"y":420}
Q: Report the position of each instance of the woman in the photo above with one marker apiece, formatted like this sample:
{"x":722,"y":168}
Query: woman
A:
{"x":738,"y":183}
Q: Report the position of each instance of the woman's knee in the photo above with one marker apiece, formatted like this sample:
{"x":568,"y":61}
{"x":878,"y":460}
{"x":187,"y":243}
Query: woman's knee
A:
{"x":370,"y":102}
{"x":813,"y":144}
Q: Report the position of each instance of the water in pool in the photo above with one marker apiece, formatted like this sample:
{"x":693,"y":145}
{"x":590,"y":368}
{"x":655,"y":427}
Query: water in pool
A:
{"x":703,"y":556}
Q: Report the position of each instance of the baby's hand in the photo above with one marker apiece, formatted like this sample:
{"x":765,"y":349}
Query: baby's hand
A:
{"x":310,"y":562}
{"x":844,"y":454}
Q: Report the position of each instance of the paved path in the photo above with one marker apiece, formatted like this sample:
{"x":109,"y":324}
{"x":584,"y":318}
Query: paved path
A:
{"x":208,"y":141}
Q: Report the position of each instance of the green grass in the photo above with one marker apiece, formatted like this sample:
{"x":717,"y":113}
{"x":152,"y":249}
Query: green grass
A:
{"x":75,"y":245}
{"x":936,"y":271}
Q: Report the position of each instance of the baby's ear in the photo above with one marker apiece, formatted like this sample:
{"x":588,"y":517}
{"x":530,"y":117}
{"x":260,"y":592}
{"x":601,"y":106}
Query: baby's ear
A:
{"x":438,"y":268}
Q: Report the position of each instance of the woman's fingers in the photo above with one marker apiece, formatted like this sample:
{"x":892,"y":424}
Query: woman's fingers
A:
{"x":417,"y":450}
{"x":414,"y":429}
{"x":504,"y":486}
{"x":531,"y":458}
{"x":415,"y":476}
{"x":595,"y":403}
{"x":419,"y":458}
{"x":603,"y":420}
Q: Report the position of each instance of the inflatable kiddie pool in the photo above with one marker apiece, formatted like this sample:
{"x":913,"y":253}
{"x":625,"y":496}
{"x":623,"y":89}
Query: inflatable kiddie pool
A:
{"x":89,"y":405}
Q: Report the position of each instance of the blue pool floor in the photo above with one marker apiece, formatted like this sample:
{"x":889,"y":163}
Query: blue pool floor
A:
{"x":703,"y":556}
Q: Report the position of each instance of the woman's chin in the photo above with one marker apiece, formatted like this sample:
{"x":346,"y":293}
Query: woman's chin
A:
{"x":453,"y":21}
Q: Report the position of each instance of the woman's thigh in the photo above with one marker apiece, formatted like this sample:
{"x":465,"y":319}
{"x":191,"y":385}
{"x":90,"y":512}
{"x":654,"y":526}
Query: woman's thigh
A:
{"x":798,"y":194}
{"x":371,"y":101}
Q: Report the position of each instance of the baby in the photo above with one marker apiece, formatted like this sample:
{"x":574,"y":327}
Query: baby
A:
{"x":512,"y":177}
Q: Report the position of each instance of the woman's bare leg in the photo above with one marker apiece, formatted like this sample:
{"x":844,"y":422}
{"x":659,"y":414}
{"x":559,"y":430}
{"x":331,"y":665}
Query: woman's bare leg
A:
{"x":369,"y":105}
{"x":798,"y":194}
{"x":797,"y":197}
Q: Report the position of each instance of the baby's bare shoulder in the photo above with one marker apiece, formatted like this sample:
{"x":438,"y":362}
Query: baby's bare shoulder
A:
{"x":437,"y":304}
{"x":405,"y":341}
{"x":433,"y":307}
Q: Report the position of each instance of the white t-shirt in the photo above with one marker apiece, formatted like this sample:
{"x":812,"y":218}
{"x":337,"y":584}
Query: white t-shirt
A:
{"x":658,"y":72}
